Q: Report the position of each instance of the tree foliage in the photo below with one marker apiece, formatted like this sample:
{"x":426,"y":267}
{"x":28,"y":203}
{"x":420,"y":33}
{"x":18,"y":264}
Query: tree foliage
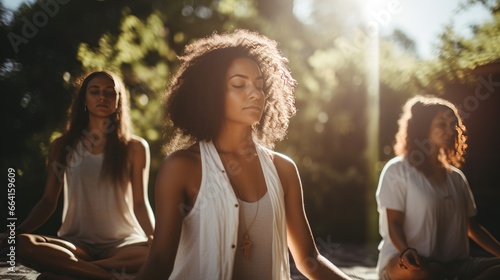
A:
{"x":140,"y":53}
{"x":140,"y":40}
{"x":459,"y":54}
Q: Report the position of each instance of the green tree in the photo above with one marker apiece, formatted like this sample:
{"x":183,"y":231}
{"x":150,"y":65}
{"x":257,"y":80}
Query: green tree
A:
{"x":460,"y":54}
{"x":40,"y":43}
{"x":466,"y":72}
{"x":140,"y":54}
{"x":140,"y":40}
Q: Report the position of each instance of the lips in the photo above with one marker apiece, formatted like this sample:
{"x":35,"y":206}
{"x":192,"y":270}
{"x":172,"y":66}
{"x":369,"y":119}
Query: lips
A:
{"x":253,"y":107}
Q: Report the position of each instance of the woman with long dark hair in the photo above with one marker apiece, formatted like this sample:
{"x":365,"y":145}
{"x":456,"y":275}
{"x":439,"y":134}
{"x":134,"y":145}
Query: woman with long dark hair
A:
{"x":103,"y":170}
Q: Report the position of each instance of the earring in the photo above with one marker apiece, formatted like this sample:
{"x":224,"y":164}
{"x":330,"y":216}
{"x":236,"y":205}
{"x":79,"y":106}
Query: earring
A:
{"x":85,"y":109}
{"x":117,"y":116}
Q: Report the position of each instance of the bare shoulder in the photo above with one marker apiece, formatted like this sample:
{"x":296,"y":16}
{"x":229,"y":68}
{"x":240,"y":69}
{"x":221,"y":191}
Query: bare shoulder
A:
{"x":287,"y":171}
{"x":138,"y":151}
{"x":181,"y":169}
{"x":283,"y":163}
{"x":137,"y":144}
{"x":56,"y":146}
{"x":183,"y":159}
{"x":58,"y":142}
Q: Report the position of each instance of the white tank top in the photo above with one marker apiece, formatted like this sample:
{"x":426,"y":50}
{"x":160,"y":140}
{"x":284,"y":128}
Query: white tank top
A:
{"x":96,"y":211}
{"x":258,"y":265}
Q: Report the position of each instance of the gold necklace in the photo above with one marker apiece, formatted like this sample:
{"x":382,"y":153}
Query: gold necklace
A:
{"x":246,"y":244}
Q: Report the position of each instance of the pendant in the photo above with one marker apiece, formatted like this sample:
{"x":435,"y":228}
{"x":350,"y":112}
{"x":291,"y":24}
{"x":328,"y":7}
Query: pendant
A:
{"x":246,"y":245}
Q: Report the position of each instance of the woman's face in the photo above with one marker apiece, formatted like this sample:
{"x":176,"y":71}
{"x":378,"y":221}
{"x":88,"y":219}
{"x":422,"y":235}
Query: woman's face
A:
{"x":443,"y":129}
{"x":101,"y":98}
{"x":244,"y":95}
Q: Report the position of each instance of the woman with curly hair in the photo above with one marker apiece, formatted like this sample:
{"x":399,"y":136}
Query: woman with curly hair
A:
{"x":103,"y":171}
{"x":425,"y":204}
{"x":228,"y":207}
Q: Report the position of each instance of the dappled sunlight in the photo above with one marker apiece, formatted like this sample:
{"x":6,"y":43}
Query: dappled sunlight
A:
{"x":142,"y":54}
{"x":237,"y":8}
{"x":353,"y":64}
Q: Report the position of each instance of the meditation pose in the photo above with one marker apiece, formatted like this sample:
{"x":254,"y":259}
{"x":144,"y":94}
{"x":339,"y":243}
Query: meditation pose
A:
{"x":103,"y":171}
{"x":427,"y":210}
{"x":227,"y":206}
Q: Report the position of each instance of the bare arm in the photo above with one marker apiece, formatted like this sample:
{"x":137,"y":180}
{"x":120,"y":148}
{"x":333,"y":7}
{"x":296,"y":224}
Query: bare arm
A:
{"x":482,"y":237}
{"x":300,"y":239}
{"x":171,"y":183}
{"x":46,"y":206}
{"x":139,"y":177}
{"x":53,"y":185}
{"x":395,"y":221}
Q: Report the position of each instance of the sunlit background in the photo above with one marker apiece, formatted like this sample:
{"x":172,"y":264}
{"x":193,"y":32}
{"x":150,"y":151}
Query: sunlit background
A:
{"x":422,"y":21}
{"x":356,"y":63}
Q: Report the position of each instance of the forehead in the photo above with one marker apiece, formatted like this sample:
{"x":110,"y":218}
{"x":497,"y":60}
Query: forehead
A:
{"x":101,"y":80}
{"x":245,"y":66}
{"x":445,"y":115}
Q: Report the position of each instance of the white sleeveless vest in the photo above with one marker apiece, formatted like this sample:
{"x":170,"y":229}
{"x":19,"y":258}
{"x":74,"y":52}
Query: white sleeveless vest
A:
{"x":210,"y":231}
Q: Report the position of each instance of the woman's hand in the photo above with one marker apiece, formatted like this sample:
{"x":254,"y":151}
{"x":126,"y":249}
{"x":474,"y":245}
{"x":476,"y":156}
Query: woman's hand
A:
{"x":410,"y":259}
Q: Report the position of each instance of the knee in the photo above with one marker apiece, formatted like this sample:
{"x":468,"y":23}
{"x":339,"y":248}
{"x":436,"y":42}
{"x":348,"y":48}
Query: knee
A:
{"x":25,"y":245}
{"x":428,"y":271}
{"x":492,"y":272}
{"x":495,"y":270}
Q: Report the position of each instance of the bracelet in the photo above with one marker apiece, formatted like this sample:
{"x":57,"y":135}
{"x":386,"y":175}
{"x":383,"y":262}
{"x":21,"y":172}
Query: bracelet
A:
{"x":405,"y":250}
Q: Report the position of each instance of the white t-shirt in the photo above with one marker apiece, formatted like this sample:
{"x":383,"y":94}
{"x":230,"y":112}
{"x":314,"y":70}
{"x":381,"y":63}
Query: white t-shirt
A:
{"x":435,"y":215}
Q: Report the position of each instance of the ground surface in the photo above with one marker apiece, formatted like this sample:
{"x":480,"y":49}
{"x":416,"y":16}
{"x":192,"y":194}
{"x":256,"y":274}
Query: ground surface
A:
{"x":357,"y":261}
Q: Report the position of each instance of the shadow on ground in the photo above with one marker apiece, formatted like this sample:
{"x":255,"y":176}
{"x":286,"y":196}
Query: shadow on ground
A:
{"x":357,"y":261}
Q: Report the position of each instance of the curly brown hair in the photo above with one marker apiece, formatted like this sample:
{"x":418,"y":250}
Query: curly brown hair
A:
{"x":413,"y":134}
{"x":195,"y":97}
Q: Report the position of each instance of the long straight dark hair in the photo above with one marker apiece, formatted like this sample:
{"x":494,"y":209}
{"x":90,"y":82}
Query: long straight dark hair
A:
{"x":118,"y":129}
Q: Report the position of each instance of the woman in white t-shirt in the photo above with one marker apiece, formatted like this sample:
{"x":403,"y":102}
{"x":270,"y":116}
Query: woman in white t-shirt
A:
{"x":425,"y":204}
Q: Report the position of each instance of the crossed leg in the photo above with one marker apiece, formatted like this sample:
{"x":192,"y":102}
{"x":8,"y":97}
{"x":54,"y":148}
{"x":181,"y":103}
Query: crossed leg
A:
{"x":128,"y":259}
{"x":490,"y":269}
{"x":60,"y":259}
{"x":428,"y":271}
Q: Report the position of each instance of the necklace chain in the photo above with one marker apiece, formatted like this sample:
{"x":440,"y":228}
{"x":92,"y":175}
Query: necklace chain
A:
{"x":246,"y":244}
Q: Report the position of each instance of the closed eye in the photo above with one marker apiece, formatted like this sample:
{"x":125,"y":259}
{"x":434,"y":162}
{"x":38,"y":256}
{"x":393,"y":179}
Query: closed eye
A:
{"x":110,"y":93}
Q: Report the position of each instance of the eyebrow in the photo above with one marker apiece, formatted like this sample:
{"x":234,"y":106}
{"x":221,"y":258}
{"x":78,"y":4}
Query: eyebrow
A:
{"x":244,"y":77}
{"x":96,"y":86}
{"x":447,"y":118}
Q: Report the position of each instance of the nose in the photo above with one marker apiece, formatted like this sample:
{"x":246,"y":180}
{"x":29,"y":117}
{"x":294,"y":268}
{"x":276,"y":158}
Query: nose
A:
{"x":254,"y":92}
